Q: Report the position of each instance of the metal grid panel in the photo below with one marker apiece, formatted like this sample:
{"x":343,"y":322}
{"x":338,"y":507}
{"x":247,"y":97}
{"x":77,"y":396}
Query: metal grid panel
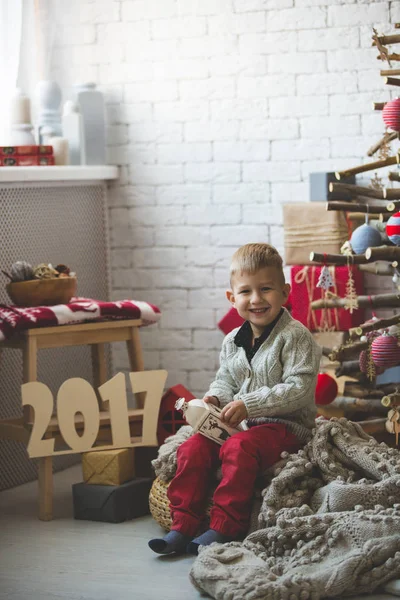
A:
{"x":58,"y":223}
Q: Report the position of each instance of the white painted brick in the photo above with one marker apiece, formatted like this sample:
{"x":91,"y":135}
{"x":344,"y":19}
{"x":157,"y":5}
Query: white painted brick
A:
{"x":157,"y":132}
{"x":212,"y":298}
{"x":271,"y":214}
{"x":206,"y":256}
{"x":184,"y":194}
{"x":326,"y":83}
{"x":101,"y":11}
{"x":113,"y":94}
{"x":164,"y":298}
{"x":175,"y":377}
{"x":357,"y":60}
{"x":241,"y":151}
{"x":167,"y":338}
{"x":297,"y":62}
{"x":372,"y":125}
{"x":372,"y":81}
{"x":327,"y":165}
{"x":271,"y":171}
{"x":267,"y":43}
{"x":298,"y":106}
{"x":134,"y":278}
{"x":299,"y":149}
{"x":329,"y":126}
{"x":136,"y":112}
{"x":181,"y":111}
{"x":121,"y":257}
{"x":117,"y":134}
{"x":140,"y":10}
{"x":289,"y":192}
{"x":239,"y":108}
{"x":218,"y":172}
{"x":203,"y":7}
{"x":220,"y":214}
{"x":151,"y":91}
{"x":233,"y":64}
{"x":241,"y":193}
{"x":156,"y":215}
{"x":243,"y":234}
{"x":208,"y":339}
{"x":123,"y":32}
{"x":358,"y":14}
{"x":241,"y":6}
{"x":221,"y":279}
{"x":269,"y":129}
{"x":156,"y":174}
{"x":213,"y":87}
{"x":152,"y":50}
{"x":211,"y":130}
{"x":123,"y":72}
{"x":208,"y":46}
{"x":349,"y":146}
{"x":394,"y":8}
{"x":190,"y":318}
{"x":182,"y":236}
{"x":184,"y":152}
{"x":199,"y":382}
{"x":117,"y":155}
{"x":296,"y":18}
{"x":70,"y":35}
{"x":236,"y":24}
{"x":181,"y":69}
{"x":157,"y":257}
{"x":141,"y":153}
{"x":306,"y":3}
{"x":120,"y":227}
{"x":122,"y":278}
{"x":276,"y":238}
{"x":139,"y":195}
{"x":268,"y":86}
{"x":351,"y":104}
{"x":184,"y":278}
{"x":183,"y":27}
{"x":328,"y":39}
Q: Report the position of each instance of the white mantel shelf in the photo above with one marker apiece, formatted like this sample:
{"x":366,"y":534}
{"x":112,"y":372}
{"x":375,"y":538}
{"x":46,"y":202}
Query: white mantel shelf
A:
{"x":73,"y":173}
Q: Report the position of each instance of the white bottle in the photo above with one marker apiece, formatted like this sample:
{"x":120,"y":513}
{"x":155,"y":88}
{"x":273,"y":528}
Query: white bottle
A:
{"x":48,"y":97}
{"x":92,"y":108}
{"x":72,"y":127}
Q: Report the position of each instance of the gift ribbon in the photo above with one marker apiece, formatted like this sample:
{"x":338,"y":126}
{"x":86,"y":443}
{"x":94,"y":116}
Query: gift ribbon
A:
{"x":301,"y":277}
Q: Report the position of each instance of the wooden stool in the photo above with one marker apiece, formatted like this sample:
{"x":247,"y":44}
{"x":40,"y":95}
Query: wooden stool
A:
{"x":94,"y":334}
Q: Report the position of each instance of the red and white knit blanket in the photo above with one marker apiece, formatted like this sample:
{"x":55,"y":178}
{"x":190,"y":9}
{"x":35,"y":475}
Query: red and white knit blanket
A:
{"x":14,"y":319}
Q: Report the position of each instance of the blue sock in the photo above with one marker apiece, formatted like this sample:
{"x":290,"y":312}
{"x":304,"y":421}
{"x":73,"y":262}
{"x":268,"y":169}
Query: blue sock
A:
{"x":174,"y":541}
{"x":207,"y":538}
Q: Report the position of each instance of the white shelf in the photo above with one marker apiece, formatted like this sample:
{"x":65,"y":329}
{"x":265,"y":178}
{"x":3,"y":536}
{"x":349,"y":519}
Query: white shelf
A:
{"x":75,"y":173}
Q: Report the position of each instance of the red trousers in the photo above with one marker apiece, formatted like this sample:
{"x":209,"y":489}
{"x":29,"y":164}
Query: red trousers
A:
{"x":242,"y":457}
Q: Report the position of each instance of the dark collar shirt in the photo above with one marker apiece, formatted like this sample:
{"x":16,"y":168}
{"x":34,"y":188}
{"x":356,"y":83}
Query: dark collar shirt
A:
{"x":244,"y":337}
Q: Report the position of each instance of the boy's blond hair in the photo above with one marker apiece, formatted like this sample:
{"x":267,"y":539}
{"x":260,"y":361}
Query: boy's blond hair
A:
{"x":250,"y":258}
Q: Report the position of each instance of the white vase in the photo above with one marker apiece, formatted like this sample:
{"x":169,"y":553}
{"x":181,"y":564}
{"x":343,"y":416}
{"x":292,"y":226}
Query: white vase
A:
{"x":48,"y":97}
{"x":72,"y":127}
{"x":92,"y":107}
{"x":21,"y":135}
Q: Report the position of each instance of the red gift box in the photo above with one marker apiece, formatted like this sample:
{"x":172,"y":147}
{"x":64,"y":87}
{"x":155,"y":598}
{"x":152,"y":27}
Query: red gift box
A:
{"x":304,"y":290}
{"x":230,"y":321}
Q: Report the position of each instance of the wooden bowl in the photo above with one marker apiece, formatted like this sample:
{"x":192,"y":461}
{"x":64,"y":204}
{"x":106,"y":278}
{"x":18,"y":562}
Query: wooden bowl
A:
{"x":39,"y":292}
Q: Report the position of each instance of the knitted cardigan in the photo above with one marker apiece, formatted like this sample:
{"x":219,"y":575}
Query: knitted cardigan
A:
{"x":279,"y":383}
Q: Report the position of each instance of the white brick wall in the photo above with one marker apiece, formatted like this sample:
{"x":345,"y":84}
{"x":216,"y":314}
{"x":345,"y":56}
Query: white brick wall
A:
{"x":218,"y":111}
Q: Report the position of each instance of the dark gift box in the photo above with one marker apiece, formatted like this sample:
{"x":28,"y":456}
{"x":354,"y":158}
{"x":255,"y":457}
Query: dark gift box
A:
{"x":319,"y":187}
{"x":112,"y":503}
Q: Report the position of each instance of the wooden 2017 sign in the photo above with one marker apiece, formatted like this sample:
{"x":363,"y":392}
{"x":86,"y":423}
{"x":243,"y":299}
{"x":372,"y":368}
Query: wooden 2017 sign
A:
{"x":77,"y":396}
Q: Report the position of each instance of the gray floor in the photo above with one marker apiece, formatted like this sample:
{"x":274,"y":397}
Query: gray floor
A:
{"x":83,"y":560}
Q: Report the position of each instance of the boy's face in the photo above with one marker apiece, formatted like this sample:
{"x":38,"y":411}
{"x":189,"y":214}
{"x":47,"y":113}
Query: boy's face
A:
{"x":259,"y":297}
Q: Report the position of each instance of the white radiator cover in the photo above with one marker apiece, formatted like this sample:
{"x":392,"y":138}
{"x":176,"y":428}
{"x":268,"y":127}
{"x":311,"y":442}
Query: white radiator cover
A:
{"x":57,"y":222}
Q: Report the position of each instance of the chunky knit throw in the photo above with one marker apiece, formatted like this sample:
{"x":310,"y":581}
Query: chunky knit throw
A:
{"x":329,"y":525}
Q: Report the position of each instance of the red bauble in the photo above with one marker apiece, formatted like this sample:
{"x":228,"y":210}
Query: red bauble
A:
{"x":385,"y":351}
{"x":391,"y":114}
{"x":326,"y":389}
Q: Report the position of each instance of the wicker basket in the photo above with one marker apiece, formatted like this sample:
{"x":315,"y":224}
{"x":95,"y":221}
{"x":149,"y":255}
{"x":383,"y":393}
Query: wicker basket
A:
{"x":42,"y":292}
{"x":159,"y":503}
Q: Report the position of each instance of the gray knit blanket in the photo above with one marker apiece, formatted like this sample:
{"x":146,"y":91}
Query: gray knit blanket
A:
{"x":329,"y":524}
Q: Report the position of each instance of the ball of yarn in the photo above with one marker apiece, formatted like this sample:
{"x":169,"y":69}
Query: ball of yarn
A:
{"x":385,"y":351}
{"x":326,"y":389}
{"x":393,"y":228}
{"x":44,"y":271}
{"x":363,"y":237}
{"x":21,"y":271}
{"x":391,"y":114}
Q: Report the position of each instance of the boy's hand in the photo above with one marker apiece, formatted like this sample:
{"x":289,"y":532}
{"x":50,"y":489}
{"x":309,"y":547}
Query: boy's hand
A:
{"x":234,"y":412}
{"x":211,"y":400}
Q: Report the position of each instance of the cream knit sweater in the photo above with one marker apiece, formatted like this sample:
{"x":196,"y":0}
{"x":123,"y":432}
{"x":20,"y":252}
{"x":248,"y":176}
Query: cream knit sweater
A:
{"x":279,"y":384}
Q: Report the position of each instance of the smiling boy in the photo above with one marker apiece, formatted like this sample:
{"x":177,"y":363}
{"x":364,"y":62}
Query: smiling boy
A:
{"x":267,"y":375}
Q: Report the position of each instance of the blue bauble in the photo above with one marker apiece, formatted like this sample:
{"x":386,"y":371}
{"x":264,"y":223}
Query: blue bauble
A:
{"x":364,"y":237}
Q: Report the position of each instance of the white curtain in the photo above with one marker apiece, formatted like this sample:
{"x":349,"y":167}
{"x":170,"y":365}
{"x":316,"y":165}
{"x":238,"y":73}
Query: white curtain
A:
{"x":10,"y":52}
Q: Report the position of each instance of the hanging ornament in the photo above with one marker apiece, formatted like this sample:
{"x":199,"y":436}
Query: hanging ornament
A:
{"x":393,"y":228}
{"x":346,"y":249}
{"x":325,"y":280}
{"x":351,"y":299}
{"x":326,"y":389}
{"x":391,"y":114}
{"x":376,"y":182}
{"x":385,"y":351}
{"x":365,"y":237}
